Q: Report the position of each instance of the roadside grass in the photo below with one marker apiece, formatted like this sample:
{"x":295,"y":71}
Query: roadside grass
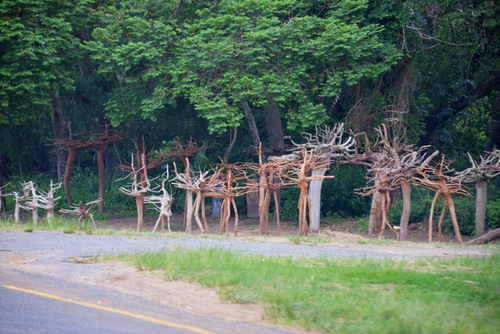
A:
{"x":461,"y":295}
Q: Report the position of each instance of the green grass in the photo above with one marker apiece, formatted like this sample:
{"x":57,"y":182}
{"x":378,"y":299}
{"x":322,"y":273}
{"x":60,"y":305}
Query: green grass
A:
{"x":348,"y":296}
{"x":58,"y":223}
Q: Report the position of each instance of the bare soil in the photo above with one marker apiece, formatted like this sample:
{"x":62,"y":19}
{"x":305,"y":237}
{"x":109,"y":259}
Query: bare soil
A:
{"x":249,"y":227}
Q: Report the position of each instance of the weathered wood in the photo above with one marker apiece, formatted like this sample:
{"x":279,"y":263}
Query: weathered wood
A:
{"x":490,"y":236}
{"x":266,"y":183}
{"x":82,"y":211}
{"x":136,"y":189}
{"x":193,"y":184}
{"x":480,"y":174}
{"x":84,"y":141}
{"x":298,"y":173}
{"x":327,"y":144}
{"x":225,"y":182}
{"x":392,"y":164}
{"x":435,"y":179}
{"x":162,"y":204}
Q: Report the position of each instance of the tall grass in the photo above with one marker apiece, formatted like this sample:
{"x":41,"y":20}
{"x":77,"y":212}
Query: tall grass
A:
{"x":348,"y":296}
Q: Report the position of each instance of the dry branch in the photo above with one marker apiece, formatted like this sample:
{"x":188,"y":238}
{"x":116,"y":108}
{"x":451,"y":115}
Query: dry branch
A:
{"x":82,"y":211}
{"x":435,"y":179}
{"x":162,"y":204}
{"x":298,"y":173}
{"x":193,"y":184}
{"x":226,"y":182}
{"x":48,"y":202}
{"x":26,"y":187}
{"x":480,"y":174}
{"x":81,"y":141}
{"x":264,"y":182}
{"x":138,"y":188}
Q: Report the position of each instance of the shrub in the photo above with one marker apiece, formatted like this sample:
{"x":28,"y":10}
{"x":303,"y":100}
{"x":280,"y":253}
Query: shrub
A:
{"x":338,"y":195}
{"x":289,"y":198}
{"x":493,"y":214}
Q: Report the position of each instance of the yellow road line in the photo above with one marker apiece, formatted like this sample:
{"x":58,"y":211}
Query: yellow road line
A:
{"x":109,"y":309}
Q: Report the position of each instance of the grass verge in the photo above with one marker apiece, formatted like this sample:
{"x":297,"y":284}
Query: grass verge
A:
{"x":346,"y":295}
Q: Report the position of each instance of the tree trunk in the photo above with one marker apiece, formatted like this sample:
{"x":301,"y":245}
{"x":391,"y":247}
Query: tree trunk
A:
{"x":102,"y":178}
{"x":67,"y":173}
{"x":315,"y":198}
{"x":273,"y":124}
{"x":216,"y":207}
{"x":59,"y":128}
{"x":405,"y":216}
{"x":481,"y":199}
{"x":254,"y":132}
{"x":492,"y":235}
{"x":189,"y":210}
{"x":274,"y":130}
{"x":139,"y":200}
{"x":431,"y":215}
{"x":454,"y":219}
{"x":375,"y":214}
{"x":252,"y":199}
{"x":3,"y":177}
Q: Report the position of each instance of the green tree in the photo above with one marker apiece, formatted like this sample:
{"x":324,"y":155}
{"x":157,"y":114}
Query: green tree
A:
{"x":285,"y":58}
{"x":455,"y":44}
{"x":131,"y":47}
{"x":38,"y":53}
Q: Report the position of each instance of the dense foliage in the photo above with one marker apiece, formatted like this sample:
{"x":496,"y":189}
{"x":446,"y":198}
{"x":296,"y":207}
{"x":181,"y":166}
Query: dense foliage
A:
{"x":161,"y":69}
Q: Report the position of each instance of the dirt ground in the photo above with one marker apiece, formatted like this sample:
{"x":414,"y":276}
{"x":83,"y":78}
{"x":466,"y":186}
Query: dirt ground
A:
{"x":249,"y":227}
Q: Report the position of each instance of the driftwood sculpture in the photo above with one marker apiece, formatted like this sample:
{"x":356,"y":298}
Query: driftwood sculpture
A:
{"x":99,"y":142}
{"x":82,"y":211}
{"x":326,"y":144}
{"x":435,"y":179}
{"x":139,"y":166}
{"x":403,"y":160}
{"x":383,"y":179}
{"x":138,"y":188}
{"x":162,"y":204}
{"x":200,"y":189}
{"x":32,"y":203}
{"x":26,"y":187}
{"x":47,"y":200}
{"x":265,"y":183}
{"x":480,"y":174}
{"x":368,"y":158}
{"x":225,"y":183}
{"x":184,"y":152}
{"x":193,"y":184}
{"x":298,"y":173}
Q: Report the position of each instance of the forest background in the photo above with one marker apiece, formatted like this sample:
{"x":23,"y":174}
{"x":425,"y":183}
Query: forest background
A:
{"x":250,"y":70}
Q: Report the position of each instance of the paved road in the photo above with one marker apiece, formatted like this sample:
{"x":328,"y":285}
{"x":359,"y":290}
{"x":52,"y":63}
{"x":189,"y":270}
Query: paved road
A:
{"x":36,"y":294}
